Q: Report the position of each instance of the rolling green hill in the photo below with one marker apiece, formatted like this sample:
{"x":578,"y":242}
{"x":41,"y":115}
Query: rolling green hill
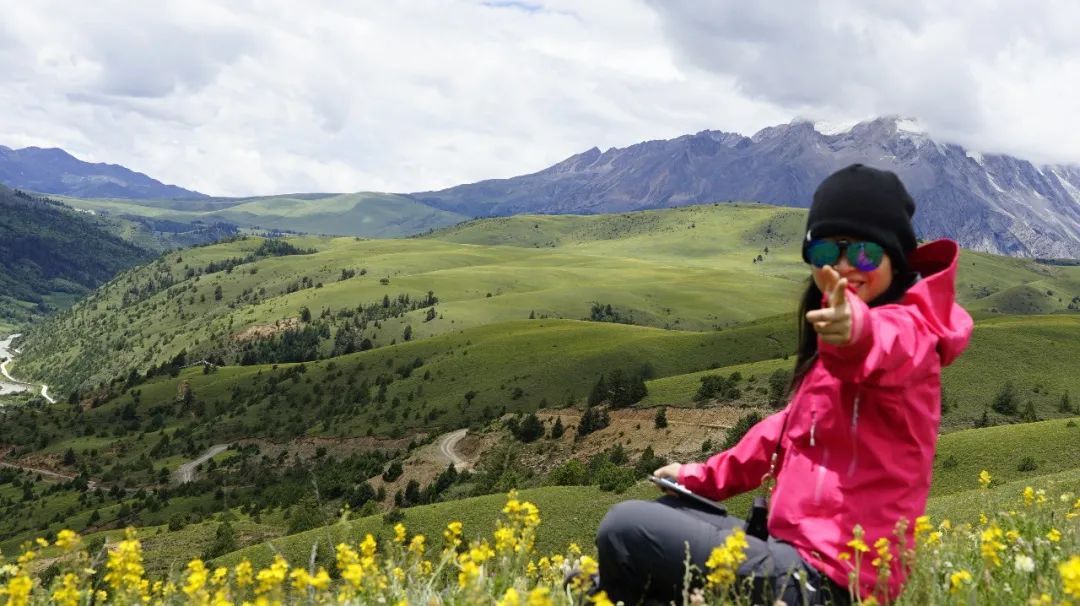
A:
{"x":690,"y":269}
{"x":1036,"y":353}
{"x":365,"y":214}
{"x":50,"y":256}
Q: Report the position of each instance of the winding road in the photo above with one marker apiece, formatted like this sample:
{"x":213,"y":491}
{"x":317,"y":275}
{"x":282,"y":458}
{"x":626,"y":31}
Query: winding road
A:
{"x":186,"y":472}
{"x":16,"y":385}
{"x":447,"y":445}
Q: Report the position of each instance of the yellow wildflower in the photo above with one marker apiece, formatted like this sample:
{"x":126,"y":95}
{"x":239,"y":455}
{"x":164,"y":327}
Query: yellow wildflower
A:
{"x":244,"y":574}
{"x":124,"y":566}
{"x":602,"y":599}
{"x":1054,"y":535}
{"x":346,"y":556}
{"x":469,"y":572}
{"x":933,"y":538}
{"x":221,"y":598}
{"x":984,"y":479}
{"x":991,"y":546}
{"x":1012,"y":535}
{"x":958,"y":580}
{"x":505,"y":539}
{"x":589,"y":566}
{"x":321,"y":580}
{"x":67,"y":539}
{"x":725,"y":559}
{"x":196,"y":580}
{"x":922,"y":525}
{"x":26,"y":556}
{"x":416,"y":545}
{"x":510,"y":598}
{"x":452,"y":535}
{"x":857,"y":543}
{"x":368,"y":546}
{"x":67,"y":594}
{"x":1070,"y":576}
{"x":271,"y":578}
{"x":884,"y":557}
{"x":983,"y":520}
{"x":300,"y":579}
{"x":18,"y":590}
{"x":541,"y":596}
{"x":574,"y":550}
{"x":354,"y":574}
{"x":1029,"y":495}
{"x":41,"y":542}
{"x":219,"y":576}
{"x":399,"y":533}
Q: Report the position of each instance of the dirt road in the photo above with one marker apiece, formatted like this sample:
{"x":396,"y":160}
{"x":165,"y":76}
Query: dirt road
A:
{"x":186,"y":472}
{"x":448,"y":444}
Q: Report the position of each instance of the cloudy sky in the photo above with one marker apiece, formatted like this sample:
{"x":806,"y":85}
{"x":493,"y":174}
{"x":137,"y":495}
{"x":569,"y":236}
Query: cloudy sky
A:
{"x":267,"y":97}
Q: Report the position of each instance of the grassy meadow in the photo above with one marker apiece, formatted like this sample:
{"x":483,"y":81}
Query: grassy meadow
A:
{"x":356,"y":214}
{"x":325,"y":360}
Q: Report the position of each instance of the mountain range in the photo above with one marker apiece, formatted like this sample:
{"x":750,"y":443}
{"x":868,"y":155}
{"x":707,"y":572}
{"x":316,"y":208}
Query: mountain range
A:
{"x":988,"y":202}
{"x":54,"y":171}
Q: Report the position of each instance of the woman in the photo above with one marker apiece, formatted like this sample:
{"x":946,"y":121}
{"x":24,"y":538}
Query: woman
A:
{"x":855,"y":444}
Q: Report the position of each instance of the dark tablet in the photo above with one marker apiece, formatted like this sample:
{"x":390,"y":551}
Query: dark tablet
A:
{"x":684,"y":493}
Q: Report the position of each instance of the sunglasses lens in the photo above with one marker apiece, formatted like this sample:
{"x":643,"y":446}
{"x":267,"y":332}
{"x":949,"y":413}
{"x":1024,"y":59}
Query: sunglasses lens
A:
{"x":822,"y":253}
{"x":865,"y":256}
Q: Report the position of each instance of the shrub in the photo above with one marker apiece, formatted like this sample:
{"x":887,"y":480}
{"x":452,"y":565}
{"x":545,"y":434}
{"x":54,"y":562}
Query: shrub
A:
{"x":1027,"y":464}
{"x":660,"y":421}
{"x":950,"y":462}
{"x":742,"y":426}
{"x":1005,"y":400}
{"x":393,"y":472}
{"x":570,"y":473}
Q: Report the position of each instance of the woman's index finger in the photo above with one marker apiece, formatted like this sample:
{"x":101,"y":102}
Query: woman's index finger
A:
{"x":838,"y":296}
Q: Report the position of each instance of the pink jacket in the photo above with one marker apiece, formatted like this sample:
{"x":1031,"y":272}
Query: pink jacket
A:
{"x":859,"y":444}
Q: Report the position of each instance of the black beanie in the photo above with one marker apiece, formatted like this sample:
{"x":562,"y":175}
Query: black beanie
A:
{"x":868,"y":203}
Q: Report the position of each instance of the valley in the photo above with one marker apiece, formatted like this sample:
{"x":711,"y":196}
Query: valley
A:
{"x":273,"y":383}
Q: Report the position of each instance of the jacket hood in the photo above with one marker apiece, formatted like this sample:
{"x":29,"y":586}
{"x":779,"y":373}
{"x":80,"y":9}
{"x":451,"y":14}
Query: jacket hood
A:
{"x":935,"y":296}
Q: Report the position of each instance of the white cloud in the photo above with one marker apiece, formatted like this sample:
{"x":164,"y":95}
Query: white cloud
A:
{"x":269,"y":97}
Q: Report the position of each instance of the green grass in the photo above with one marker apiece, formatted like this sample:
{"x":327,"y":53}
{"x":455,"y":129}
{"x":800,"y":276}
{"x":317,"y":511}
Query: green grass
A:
{"x":1054,"y":445}
{"x":572,"y":513}
{"x":358,"y":214}
{"x":652,"y":267}
{"x":1036,"y":353}
{"x":966,"y":505}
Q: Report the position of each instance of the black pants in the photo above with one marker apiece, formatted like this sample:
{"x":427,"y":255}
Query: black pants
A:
{"x":642,"y":548}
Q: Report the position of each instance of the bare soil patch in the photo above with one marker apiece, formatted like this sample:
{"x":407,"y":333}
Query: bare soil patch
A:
{"x":265,"y":331}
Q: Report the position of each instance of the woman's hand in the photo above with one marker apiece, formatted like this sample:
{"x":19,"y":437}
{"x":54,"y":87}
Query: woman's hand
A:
{"x":669,"y":471}
{"x":833,"y":323}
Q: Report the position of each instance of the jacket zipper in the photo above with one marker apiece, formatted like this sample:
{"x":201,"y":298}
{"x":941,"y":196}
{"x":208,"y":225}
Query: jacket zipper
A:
{"x":813,"y":425}
{"x":820,"y":483}
{"x":854,"y":436}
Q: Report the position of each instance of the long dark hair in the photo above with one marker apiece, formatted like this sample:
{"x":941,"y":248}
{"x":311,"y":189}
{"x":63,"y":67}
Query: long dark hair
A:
{"x":806,"y":351}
